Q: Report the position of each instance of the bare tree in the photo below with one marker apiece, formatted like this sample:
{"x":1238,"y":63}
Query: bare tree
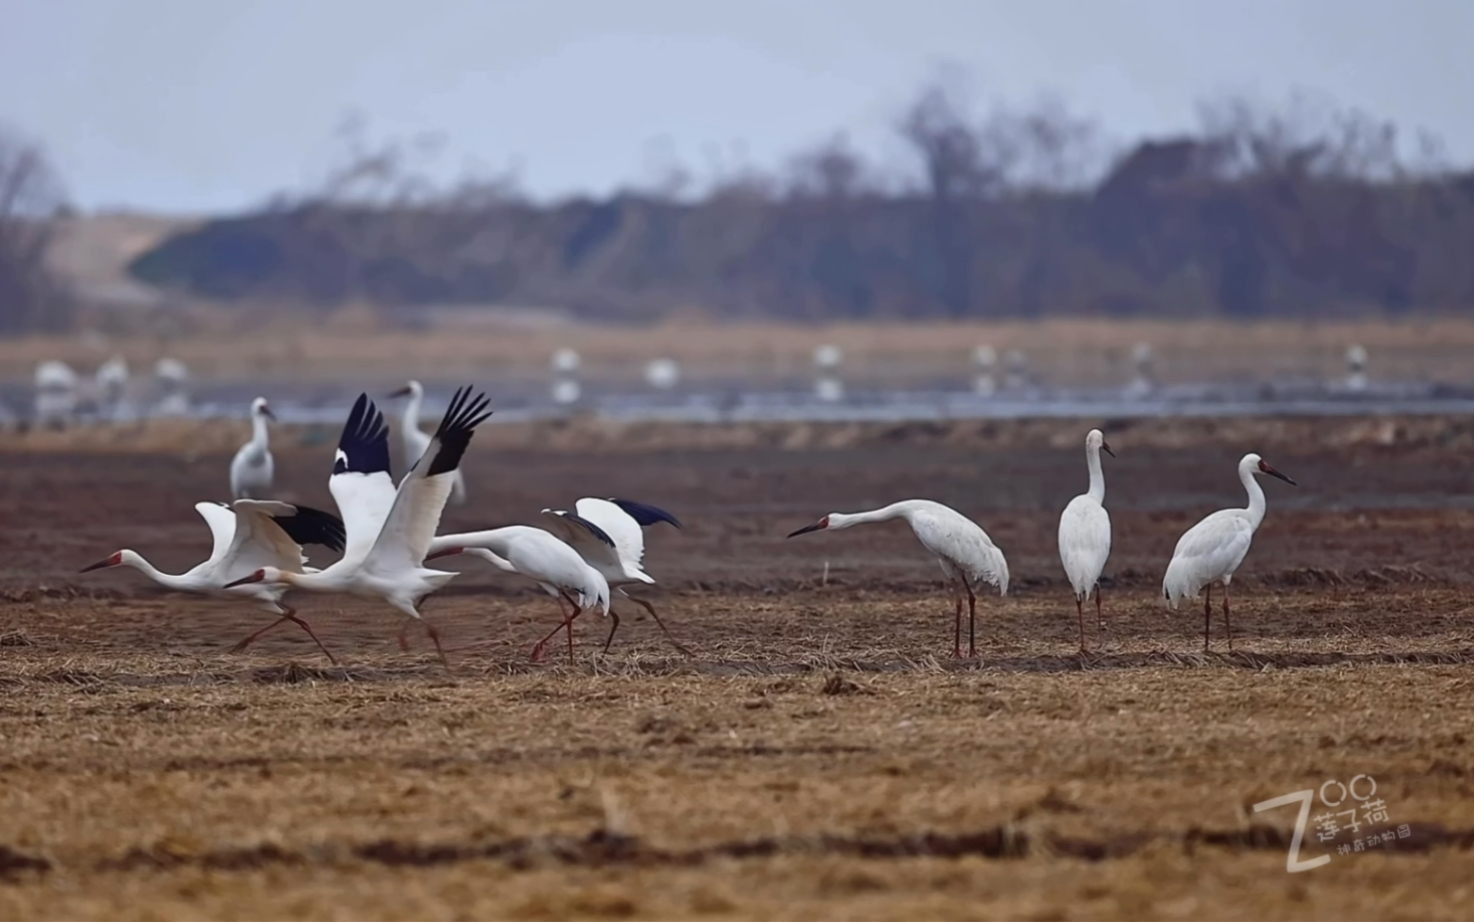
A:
{"x":31,"y":197}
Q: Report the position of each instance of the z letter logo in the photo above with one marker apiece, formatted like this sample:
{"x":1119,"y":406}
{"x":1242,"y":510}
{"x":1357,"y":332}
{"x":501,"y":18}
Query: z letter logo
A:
{"x":1293,"y":864}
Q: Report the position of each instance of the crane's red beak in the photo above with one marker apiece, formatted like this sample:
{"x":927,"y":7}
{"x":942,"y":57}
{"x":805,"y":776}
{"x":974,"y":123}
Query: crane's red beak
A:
{"x":448,"y":552}
{"x":114,"y":561}
{"x":817,"y":526}
{"x":258,"y":577}
{"x":1264,"y":466}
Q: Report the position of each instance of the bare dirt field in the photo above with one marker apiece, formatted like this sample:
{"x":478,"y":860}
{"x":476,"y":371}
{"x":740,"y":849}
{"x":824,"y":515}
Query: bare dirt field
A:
{"x":820,"y":755}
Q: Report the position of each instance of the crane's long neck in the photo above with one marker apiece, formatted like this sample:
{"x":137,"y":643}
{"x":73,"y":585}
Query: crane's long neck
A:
{"x":1097,"y":476}
{"x":180,"y":581}
{"x":493,"y":546}
{"x":1256,"y":494}
{"x":329,"y":579}
{"x":883,"y":514}
{"x":258,"y":430}
{"x":410,"y":415}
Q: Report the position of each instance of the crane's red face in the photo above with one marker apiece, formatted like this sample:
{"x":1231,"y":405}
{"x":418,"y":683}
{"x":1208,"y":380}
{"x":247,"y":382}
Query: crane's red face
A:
{"x":1265,"y":468}
{"x":114,"y":561}
{"x":258,"y":577}
{"x":817,"y":526}
{"x":448,"y":552}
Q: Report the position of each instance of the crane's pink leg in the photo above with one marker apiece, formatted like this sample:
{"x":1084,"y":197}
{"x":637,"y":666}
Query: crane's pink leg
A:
{"x":1227,"y":621}
{"x":1080,"y":611}
{"x":651,"y":609}
{"x":957,"y":626}
{"x":252,"y":639}
{"x":435,"y":636}
{"x":1207,"y":613}
{"x":972,"y":623}
{"x":291,"y":615}
{"x":613,"y":616}
{"x":537,"y":650}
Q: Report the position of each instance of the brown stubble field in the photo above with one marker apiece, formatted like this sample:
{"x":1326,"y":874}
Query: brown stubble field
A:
{"x":820,"y":754}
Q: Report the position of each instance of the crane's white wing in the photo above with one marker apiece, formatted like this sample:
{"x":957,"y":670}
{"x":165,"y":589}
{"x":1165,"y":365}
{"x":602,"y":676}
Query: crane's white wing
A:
{"x":1210,"y":550}
{"x":410,"y":527}
{"x":1084,"y":542}
{"x":954,"y":537}
{"x":361,"y":483}
{"x":592,"y":541}
{"x":271,"y":534}
{"x":259,"y":541}
{"x":628,"y":536}
{"x":222,"y":526}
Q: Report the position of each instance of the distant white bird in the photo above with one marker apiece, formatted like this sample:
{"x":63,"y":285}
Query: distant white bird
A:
{"x":171,"y":382}
{"x":1212,"y":550}
{"x":252,"y":468}
{"x":415,"y":441}
{"x":389,"y":530}
{"x":967,"y":555}
{"x":248,"y":534}
{"x":540,"y":556}
{"x":56,"y":393}
{"x":111,"y":380}
{"x":622,"y":522}
{"x":1085,"y":534}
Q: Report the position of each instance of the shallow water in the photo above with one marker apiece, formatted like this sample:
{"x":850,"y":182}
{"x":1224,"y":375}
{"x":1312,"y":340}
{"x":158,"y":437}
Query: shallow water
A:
{"x":730,"y":401}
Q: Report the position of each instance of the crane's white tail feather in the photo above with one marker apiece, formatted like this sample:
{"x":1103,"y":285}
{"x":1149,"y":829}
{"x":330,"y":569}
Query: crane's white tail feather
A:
{"x":1178,"y":584}
{"x":437,"y":578}
{"x":995,"y":570}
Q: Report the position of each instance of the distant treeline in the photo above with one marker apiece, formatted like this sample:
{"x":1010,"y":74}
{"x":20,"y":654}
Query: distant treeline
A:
{"x":1313,"y":211}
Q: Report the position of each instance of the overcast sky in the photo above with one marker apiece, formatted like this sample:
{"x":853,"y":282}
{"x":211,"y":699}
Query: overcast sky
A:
{"x":195,"y":105}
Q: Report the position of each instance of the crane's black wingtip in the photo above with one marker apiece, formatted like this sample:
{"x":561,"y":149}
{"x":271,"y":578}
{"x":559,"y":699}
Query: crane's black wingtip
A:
{"x":645,"y":514}
{"x":364,"y":446}
{"x":456,"y":427}
{"x":592,"y":529}
{"x":314,"y":526}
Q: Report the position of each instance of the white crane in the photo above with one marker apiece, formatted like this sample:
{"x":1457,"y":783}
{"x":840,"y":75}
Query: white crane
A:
{"x":111,"y":381}
{"x":1212,"y":550}
{"x":388,"y":531}
{"x":615,"y":546}
{"x":540,"y":556}
{"x":56,"y":393}
{"x":1085,"y":534}
{"x":252,"y":468}
{"x":248,"y":534}
{"x":415,"y":441}
{"x":967,"y":555}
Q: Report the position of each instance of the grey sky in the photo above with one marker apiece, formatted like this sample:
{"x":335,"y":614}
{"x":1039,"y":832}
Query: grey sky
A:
{"x":190,"y":105}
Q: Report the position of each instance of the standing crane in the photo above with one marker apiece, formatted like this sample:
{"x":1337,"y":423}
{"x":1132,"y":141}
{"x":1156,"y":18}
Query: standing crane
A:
{"x":1212,"y":550}
{"x":1085,"y":534}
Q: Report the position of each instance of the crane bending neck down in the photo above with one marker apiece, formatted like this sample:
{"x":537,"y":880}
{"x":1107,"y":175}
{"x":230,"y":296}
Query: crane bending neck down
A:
{"x":968,"y":557}
{"x":837,"y":520}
